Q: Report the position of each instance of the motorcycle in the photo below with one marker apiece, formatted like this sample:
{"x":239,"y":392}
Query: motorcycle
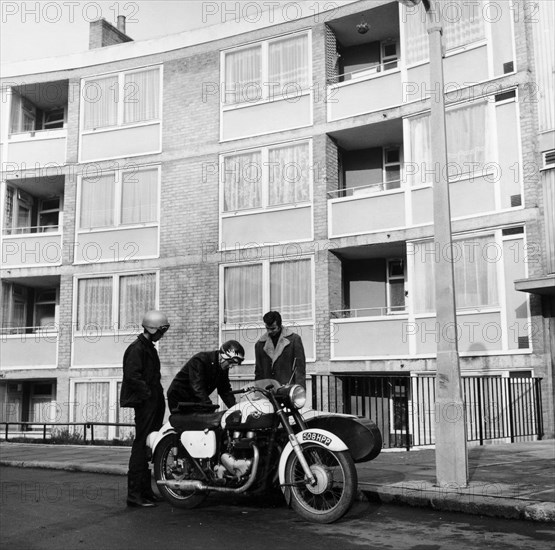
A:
{"x":260,"y":443}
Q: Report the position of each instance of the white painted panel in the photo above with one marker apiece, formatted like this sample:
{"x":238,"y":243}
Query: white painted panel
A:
{"x":364,"y":96}
{"x":35,"y":249}
{"x":365,"y":214}
{"x":270,"y":226}
{"x":117,"y":245}
{"x":37,"y":151}
{"x":29,"y":350}
{"x":121,"y":142}
{"x":265,"y":118}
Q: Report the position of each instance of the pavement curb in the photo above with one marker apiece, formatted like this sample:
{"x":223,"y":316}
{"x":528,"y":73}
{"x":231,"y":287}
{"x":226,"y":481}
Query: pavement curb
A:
{"x":500,"y":507}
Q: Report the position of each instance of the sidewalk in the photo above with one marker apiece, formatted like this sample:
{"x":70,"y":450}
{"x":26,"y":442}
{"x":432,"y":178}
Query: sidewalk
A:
{"x":506,"y":480}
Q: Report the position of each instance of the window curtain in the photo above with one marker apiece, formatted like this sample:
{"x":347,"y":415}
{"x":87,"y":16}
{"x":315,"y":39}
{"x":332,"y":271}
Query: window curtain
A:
{"x":91,"y":404}
{"x":137,"y":294}
{"x":288,"y":65}
{"x":474,"y":264}
{"x":462,"y":24}
{"x":243,"y":294}
{"x":468,"y":143}
{"x":291,"y":290}
{"x":100,"y":99}
{"x":141,"y":96}
{"x":97,"y":202}
{"x":16,"y":114}
{"x":475,"y":268}
{"x":289,"y":174}
{"x":139,"y":200}
{"x":420,"y":150}
{"x":242,"y":181}
{"x":8,"y":210}
{"x":243,"y":75}
{"x":94,"y":303}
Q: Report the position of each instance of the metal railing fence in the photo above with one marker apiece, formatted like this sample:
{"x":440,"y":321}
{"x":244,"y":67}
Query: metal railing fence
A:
{"x":403,"y":407}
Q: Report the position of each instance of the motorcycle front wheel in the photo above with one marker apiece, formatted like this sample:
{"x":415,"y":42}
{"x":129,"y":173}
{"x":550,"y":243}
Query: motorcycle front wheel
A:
{"x":172,"y":465}
{"x":335,"y":489}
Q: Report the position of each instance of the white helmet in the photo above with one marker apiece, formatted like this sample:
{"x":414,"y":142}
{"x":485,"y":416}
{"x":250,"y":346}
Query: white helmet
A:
{"x":155,"y":320}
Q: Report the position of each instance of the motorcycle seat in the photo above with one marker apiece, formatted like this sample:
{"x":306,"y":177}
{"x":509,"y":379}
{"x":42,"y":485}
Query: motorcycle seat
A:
{"x":195,"y":421}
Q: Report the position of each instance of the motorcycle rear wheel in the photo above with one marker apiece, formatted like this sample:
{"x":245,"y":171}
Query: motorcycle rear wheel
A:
{"x":335,"y":490}
{"x":169,"y":464}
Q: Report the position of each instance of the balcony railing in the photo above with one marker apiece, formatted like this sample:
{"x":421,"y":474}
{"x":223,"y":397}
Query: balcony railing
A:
{"x":46,"y":330}
{"x":26,"y":230}
{"x":363,"y":190}
{"x":367,"y":312}
{"x":364,"y":73}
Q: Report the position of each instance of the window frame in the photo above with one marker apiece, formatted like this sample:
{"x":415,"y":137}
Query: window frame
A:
{"x":265,"y":205}
{"x":267,"y":93}
{"x":121,"y":95}
{"x":118,"y":197}
{"x":114,"y":328}
{"x":266,"y":268}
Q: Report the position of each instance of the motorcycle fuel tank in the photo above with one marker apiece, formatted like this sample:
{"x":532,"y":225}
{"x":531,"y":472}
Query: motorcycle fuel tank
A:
{"x":249,"y":415}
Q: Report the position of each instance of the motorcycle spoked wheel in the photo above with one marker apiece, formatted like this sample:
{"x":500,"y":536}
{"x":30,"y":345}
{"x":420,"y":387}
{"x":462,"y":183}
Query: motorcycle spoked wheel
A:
{"x":335,"y":490}
{"x":169,"y":466}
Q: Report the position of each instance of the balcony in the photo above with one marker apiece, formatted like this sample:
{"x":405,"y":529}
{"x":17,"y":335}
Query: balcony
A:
{"x":29,"y":329}
{"x":32,"y":231}
{"x":37,"y":132}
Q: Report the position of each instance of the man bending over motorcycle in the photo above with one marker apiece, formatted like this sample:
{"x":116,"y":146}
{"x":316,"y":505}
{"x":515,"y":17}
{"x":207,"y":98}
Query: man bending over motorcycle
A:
{"x":205,"y":372}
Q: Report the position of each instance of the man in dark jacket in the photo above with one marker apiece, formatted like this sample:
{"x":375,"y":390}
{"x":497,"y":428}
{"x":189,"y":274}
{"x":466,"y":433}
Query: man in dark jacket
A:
{"x":141,"y":389}
{"x":205,"y":372}
{"x":279,"y":352}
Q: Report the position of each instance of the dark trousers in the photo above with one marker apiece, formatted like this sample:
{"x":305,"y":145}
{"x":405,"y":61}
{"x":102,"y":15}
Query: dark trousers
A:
{"x":148,"y":418}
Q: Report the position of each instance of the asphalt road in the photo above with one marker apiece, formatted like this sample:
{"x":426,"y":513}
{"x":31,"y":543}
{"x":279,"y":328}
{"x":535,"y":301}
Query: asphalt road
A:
{"x":50,"y":509}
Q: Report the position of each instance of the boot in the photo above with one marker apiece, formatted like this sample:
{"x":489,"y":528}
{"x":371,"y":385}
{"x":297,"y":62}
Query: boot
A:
{"x":147,"y":493}
{"x":134,"y":493}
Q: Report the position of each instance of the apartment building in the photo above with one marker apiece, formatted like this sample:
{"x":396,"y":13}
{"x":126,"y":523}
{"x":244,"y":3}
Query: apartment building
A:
{"x":220,"y":173}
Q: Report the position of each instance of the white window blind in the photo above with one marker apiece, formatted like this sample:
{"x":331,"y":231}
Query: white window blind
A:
{"x":97,"y":202}
{"x":462,"y":22}
{"x":141,"y":96}
{"x":243,"y":70}
{"x":139,"y":197}
{"x":242,"y":181}
{"x":291,"y":289}
{"x":475,"y":266}
{"x":137,"y":294}
{"x":243,"y":294}
{"x":94,"y":303}
{"x":289,"y":174}
{"x":100,"y":102}
{"x":288,"y":64}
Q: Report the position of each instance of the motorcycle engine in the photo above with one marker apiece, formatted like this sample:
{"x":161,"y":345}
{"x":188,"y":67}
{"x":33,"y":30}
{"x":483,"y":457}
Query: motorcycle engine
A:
{"x":237,"y":460}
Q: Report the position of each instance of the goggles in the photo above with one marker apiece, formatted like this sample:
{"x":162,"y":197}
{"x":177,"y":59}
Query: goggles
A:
{"x":163,"y":328}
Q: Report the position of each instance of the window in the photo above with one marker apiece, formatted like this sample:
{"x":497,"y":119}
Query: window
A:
{"x":272,"y":176}
{"x":395,"y":286}
{"x":475,"y":273}
{"x":91,"y":403}
{"x":267,"y":70}
{"x":125,"y":98}
{"x":24,"y":213}
{"x":250,"y":291}
{"x":114,"y":301}
{"x":392,"y":167}
{"x":116,"y":199}
{"x":468,"y":137}
{"x":389,"y":55}
{"x":462,"y":25}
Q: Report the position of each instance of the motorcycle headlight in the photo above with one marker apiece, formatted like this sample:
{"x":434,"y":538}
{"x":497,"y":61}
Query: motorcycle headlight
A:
{"x":297,"y":396}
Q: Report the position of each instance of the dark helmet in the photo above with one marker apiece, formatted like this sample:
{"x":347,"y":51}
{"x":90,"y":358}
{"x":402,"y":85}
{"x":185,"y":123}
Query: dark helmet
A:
{"x":233,"y":352}
{"x":155,"y":320}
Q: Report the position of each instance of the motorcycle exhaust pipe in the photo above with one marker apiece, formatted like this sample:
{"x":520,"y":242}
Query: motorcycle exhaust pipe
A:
{"x":197,"y":485}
